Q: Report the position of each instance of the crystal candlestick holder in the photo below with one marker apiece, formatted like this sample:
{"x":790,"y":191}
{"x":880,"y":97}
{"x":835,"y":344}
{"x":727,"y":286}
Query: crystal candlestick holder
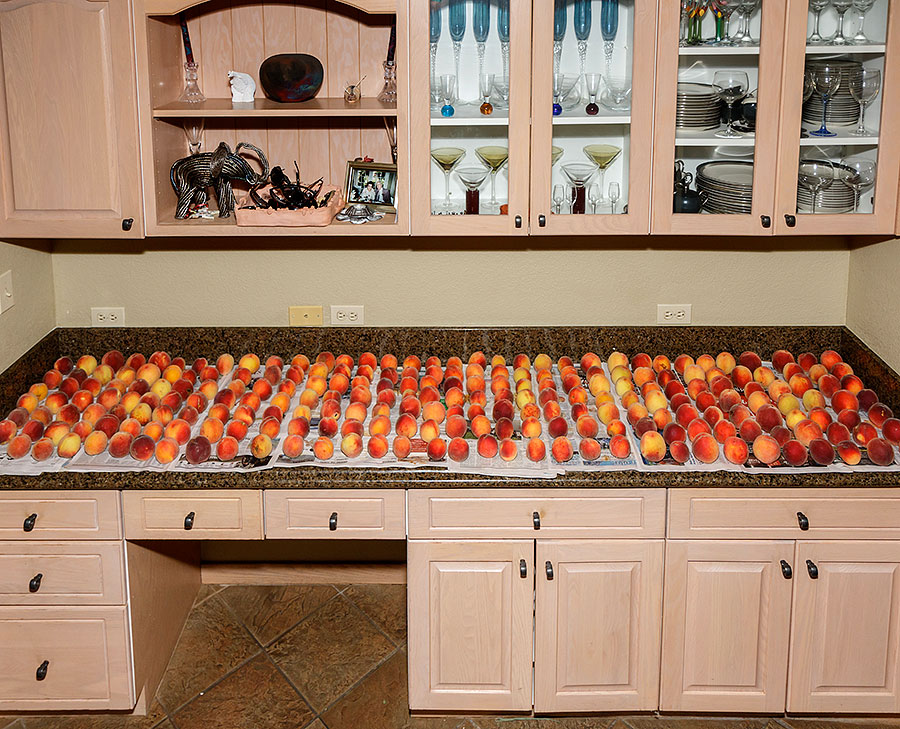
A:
{"x":192,"y":93}
{"x":388,"y":93}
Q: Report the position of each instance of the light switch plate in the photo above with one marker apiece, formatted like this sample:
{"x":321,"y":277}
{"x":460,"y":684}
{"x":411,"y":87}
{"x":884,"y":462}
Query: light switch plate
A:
{"x":7,"y":300}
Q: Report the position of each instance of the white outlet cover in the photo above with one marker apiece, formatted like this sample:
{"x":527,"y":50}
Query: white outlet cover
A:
{"x":7,"y":300}
{"x":673,"y":314}
{"x":347,"y":315}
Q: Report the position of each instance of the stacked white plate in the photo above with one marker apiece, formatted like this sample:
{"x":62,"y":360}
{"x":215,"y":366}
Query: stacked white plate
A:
{"x":697,"y":107}
{"x":728,"y":187}
{"x":842,"y":108}
{"x":834,"y":200}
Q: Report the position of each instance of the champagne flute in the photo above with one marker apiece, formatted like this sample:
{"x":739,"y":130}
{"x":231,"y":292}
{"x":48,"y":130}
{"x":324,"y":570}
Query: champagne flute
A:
{"x":862,"y":7}
{"x":457,"y":28}
{"x":434,"y":36}
{"x":609,"y":26}
{"x":593,"y":192}
{"x":582,"y":22}
{"x":816,"y":6}
{"x":863,"y":177}
{"x":731,"y":86}
{"x":448,"y":84}
{"x":558,"y":196}
{"x":828,"y":80}
{"x":841,"y":6}
{"x":615,"y":193}
{"x":864,"y":87}
{"x":447,"y":158}
{"x":559,"y":31}
{"x":503,"y":33}
{"x":481,"y":26}
{"x":494,"y":157}
{"x":486,"y":85}
{"x":816,"y":175}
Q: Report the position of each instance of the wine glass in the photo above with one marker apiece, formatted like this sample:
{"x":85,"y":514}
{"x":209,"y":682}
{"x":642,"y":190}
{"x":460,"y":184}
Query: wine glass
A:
{"x":828,"y":80}
{"x":863,"y":176}
{"x":448,"y":84}
{"x":864,"y":87}
{"x":731,"y":86}
{"x":816,"y":175}
{"x":615,"y":193}
{"x":594,"y":195}
{"x":503,"y":33}
{"x":434,"y":36}
{"x":726,"y":8}
{"x":809,"y":85}
{"x":816,"y":6}
{"x":579,"y":174}
{"x":481,"y":26}
{"x":747,"y":8}
{"x":581,"y":20}
{"x":617,"y":95}
{"x":559,"y":32}
{"x":592,"y":82}
{"x":485,"y":86}
{"x":559,"y":196}
{"x":457,"y":28}
{"x":193,"y":130}
{"x":447,"y":158}
{"x":609,"y":27}
{"x":472,"y":178}
{"x":862,"y":7}
{"x":687,"y":7}
{"x":602,"y":155}
{"x":841,"y":6}
{"x":494,"y":157}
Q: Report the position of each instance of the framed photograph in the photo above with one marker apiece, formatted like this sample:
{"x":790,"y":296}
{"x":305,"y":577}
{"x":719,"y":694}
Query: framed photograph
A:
{"x":373,"y":184}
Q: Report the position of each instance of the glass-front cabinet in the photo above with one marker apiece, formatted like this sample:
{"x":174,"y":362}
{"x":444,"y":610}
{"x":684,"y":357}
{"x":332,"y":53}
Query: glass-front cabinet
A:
{"x":592,"y":116}
{"x":841,"y":86}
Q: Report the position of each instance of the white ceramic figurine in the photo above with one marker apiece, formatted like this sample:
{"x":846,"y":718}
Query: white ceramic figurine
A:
{"x":243,"y":87}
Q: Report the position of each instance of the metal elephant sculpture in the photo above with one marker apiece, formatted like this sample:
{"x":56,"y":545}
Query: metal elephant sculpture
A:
{"x":192,"y":176}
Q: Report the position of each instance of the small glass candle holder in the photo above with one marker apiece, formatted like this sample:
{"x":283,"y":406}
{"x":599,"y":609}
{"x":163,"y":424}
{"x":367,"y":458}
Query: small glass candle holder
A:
{"x":448,"y":83}
{"x":192,"y":93}
{"x":486,"y":85}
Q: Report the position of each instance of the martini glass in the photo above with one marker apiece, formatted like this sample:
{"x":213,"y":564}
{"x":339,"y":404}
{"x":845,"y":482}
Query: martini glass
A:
{"x":862,"y":7}
{"x":582,"y":23}
{"x":481,"y":26}
{"x":828,"y":80}
{"x":472,"y":178}
{"x":503,"y":33}
{"x":863,"y":177}
{"x":494,"y":156}
{"x":457,"y":27}
{"x":448,"y":83}
{"x":579,"y":173}
{"x":816,"y":6}
{"x":841,"y":6}
{"x":486,"y":85}
{"x":555,"y":154}
{"x":434,"y":37}
{"x":447,"y":158}
{"x":559,"y":32}
{"x":602,"y":155}
{"x":592,"y":82}
{"x":609,"y":26}
{"x":815,"y":175}
{"x":864,"y":87}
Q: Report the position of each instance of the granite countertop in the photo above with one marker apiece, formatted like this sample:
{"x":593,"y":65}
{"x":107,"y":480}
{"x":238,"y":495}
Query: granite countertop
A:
{"x":555,"y":341}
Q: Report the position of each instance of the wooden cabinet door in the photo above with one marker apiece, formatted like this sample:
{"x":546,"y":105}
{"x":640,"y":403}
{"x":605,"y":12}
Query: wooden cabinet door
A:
{"x":69,"y":163}
{"x":470,"y":625}
{"x":598,"y":620}
{"x":845,"y":646}
{"x":726,"y":626}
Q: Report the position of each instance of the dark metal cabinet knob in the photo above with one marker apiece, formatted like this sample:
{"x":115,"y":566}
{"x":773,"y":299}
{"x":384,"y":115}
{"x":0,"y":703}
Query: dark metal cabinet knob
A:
{"x":542,"y":221}
{"x":766,"y":221}
{"x":548,"y":568}
{"x":812,"y":569}
{"x":41,"y":673}
{"x":332,"y":521}
{"x":518,"y":221}
{"x":803,"y":520}
{"x":28,"y":524}
{"x":35,"y":584}
{"x":189,"y":521}
{"x":536,"y":519}
{"x":127,"y":224}
{"x":791,"y":221}
{"x":786,"y":570}
{"x":523,"y":568}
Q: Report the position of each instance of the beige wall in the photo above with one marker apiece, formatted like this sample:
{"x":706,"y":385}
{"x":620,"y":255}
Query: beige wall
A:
{"x":33,"y":314}
{"x":873,"y":304}
{"x":216,"y":284}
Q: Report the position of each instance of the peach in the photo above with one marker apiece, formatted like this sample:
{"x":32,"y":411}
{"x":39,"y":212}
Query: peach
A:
{"x":586,"y":426}
{"x":43,"y":449}
{"x":488,"y":446}
{"x":685,"y":414}
{"x":380,"y":425}
{"x":504,"y":428}
{"x":479,"y":426}
{"x":655,"y":400}
{"x":740,"y":375}
{"x":8,"y":429}
{"x":739,"y":413}
{"x":623,"y":386}
{"x":431,"y":430}
{"x":561,"y":449}
{"x":866,"y":398}
{"x":890,"y":431}
{"x":750,"y":430}
{"x":328,"y":427}
{"x":120,"y":444}
{"x":794,"y":452}
{"x":713,"y":415}
{"x":766,"y":449}
{"x":788,"y":403}
{"x":434,"y":411}
{"x":704,"y":400}
{"x":456,"y":426}
{"x":864,"y":432}
{"x":735,"y":450}
{"x":68,"y":413}
{"x":154,"y":429}
{"x":880,"y":452}
{"x":850,"y":418}
{"x":323,"y":448}
{"x":57,"y":400}
{"x":807,"y":431}
{"x":458,"y":450}
{"x":780,"y":358}
{"x":821,"y":452}
{"x":769,"y":417}
{"x":817,"y":372}
{"x":163,"y":415}
{"x":794,"y":417}
{"x":750,"y":360}
{"x":535,"y":450}
{"x":674,"y":432}
{"x":236,"y":429}
{"x":42,"y":415}
{"x":725,"y":429}
{"x":757,"y":399}
{"x":589,"y":448}
{"x":644,"y":425}
{"x":351,"y":445}
{"x":607,"y":412}
{"x":179,"y":431}
{"x":130,"y":426}
{"x":698,"y":427}
{"x":557,"y":427}
{"x":837,"y":433}
{"x":820,"y":416}
{"x":350,"y":426}
{"x":166,"y":450}
{"x":212,"y":429}
{"x":849,"y":452}
{"x":82,"y":429}
{"x":34,"y":429}
{"x":142,"y":448}
{"x":879,"y":413}
{"x":261,"y":446}
{"x":95,"y":443}
{"x":852,"y":383}
{"x":20,"y":446}
{"x":406,"y":425}
{"x":844,"y":400}
{"x":436,"y":449}
{"x":653,"y":446}
{"x":813,"y":399}
{"x":705,"y":448}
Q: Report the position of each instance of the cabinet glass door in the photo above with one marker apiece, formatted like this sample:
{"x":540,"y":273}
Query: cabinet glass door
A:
{"x":839,"y":158}
{"x":469,"y":113}
{"x":718,"y":94}
{"x":592,"y":106}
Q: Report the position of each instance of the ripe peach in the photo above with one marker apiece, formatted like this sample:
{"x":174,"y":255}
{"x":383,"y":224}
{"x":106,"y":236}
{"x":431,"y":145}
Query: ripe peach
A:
{"x":458,"y":450}
{"x":236,"y":429}
{"x":765,"y":449}
{"x":43,"y":449}
{"x":20,"y":446}
{"x":821,"y":452}
{"x":850,"y":418}
{"x":880,"y":452}
{"x":780,"y":358}
{"x":644,"y":425}
{"x":849,"y":452}
{"x":794,"y":452}
{"x":143,"y":448}
{"x":866,"y":398}
{"x":503,"y":428}
{"x":653,"y":446}
{"x":154,"y":430}
{"x":351,"y":445}
{"x":781,"y":434}
{"x":261,"y":446}
{"x":82,"y":429}
{"x":674,"y":432}
{"x":685,"y":414}
{"x":328,"y":427}
{"x":589,"y":448}
{"x":130,"y":426}
{"x":616,"y":427}
{"x":488,"y":446}
{"x":557,"y":427}
{"x":890,"y":430}
{"x":406,"y":425}
{"x":800,"y":384}
{"x":619,"y":446}
{"x":820,"y":417}
{"x":864,"y":432}
{"x":725,"y":429}
{"x":736,"y":450}
{"x":844,"y":400}
{"x":757,"y":399}
{"x":837,"y":433}
{"x":351,"y":426}
{"x":179,"y":431}
{"x":479,"y":425}
{"x":434,"y":411}
{"x":879,"y":413}
{"x":698,"y":426}
{"x":807,"y":431}
{"x":561,"y":449}
{"x":431,"y":430}
{"x":34,"y":429}
{"x":8,"y":429}
{"x":212,"y":429}
{"x":436,"y":449}
{"x":764,"y":376}
{"x":535,"y":450}
{"x":166,"y":450}
{"x":705,"y":448}
{"x":120,"y":444}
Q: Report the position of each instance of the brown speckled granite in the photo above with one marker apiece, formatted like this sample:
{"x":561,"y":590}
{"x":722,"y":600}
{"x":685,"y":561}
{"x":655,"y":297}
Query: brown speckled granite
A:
{"x":555,"y":341}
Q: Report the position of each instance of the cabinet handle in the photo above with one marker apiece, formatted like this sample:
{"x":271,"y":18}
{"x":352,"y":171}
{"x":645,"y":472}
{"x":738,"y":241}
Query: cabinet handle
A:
{"x":542,"y":221}
{"x":189,"y":522}
{"x":41,"y":672}
{"x":28,"y":524}
{"x":548,"y":567}
{"x":766,"y":221}
{"x":523,"y":569}
{"x":786,"y":570}
{"x":812,"y":569}
{"x":35,"y":584}
{"x":127,"y":223}
{"x":536,"y":519}
{"x":332,"y":521}
{"x":803,"y":520}
{"x":791,"y":221}
{"x":518,"y":221}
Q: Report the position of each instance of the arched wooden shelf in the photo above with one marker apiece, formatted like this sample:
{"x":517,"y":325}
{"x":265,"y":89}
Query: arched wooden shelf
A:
{"x":173,"y":7}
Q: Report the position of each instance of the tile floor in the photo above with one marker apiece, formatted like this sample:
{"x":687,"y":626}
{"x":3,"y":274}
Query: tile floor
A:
{"x":326,"y":657}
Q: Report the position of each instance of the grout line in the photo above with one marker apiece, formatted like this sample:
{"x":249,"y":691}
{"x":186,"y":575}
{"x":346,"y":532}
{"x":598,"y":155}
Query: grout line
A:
{"x":291,"y":684}
{"x":361,"y":679}
{"x":215,"y":683}
{"x":371,"y":620}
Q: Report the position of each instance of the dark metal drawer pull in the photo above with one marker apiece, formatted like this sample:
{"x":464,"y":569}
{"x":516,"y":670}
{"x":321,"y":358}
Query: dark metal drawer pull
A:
{"x":28,"y":524}
{"x":548,"y":567}
{"x":189,"y":521}
{"x":536,"y":518}
{"x":523,"y":568}
{"x":812,"y":569}
{"x":786,"y":570}
{"x":803,"y":521}
{"x":35,"y":583}
{"x":41,"y":672}
{"x":332,"y":521}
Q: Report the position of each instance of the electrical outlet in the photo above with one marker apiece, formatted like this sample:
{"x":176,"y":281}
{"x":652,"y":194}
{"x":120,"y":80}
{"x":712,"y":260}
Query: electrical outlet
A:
{"x":305,"y":316}
{"x":673,"y":314}
{"x":7,"y":300}
{"x":107,"y":316}
{"x":348,"y":316}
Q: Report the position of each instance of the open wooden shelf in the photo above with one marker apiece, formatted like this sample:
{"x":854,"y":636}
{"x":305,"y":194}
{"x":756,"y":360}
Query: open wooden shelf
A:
{"x":318,"y":107}
{"x":215,"y":227}
{"x":173,"y":7}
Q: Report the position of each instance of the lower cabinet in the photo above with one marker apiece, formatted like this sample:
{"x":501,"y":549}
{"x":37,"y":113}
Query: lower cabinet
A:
{"x":579,"y":620}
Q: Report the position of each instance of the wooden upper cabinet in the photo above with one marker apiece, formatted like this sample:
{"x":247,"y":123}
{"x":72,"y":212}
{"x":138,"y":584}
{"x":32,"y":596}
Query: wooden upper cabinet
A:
{"x":598,"y":624}
{"x":737,"y":172}
{"x":68,"y":124}
{"x":845,"y":651}
{"x":470,"y":625}
{"x":726,"y":626}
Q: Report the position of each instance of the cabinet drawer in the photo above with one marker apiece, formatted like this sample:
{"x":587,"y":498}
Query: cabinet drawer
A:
{"x":63,"y":573}
{"x":60,"y":515}
{"x":336,"y":514}
{"x":516,"y":513}
{"x":88,"y":656}
{"x":232,"y":514}
{"x":773,"y":513}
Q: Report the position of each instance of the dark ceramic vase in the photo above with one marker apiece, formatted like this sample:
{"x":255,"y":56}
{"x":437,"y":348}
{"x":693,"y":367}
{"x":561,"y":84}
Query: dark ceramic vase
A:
{"x":290,"y":77}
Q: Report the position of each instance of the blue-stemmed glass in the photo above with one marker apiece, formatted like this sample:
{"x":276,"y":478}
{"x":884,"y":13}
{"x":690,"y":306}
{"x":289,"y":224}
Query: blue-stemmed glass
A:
{"x":609,"y":26}
{"x":457,"y":28}
{"x":559,"y":32}
{"x":503,"y":33}
{"x":434,"y":37}
{"x":828,"y":81}
{"x":481,"y":26}
{"x":582,"y":23}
